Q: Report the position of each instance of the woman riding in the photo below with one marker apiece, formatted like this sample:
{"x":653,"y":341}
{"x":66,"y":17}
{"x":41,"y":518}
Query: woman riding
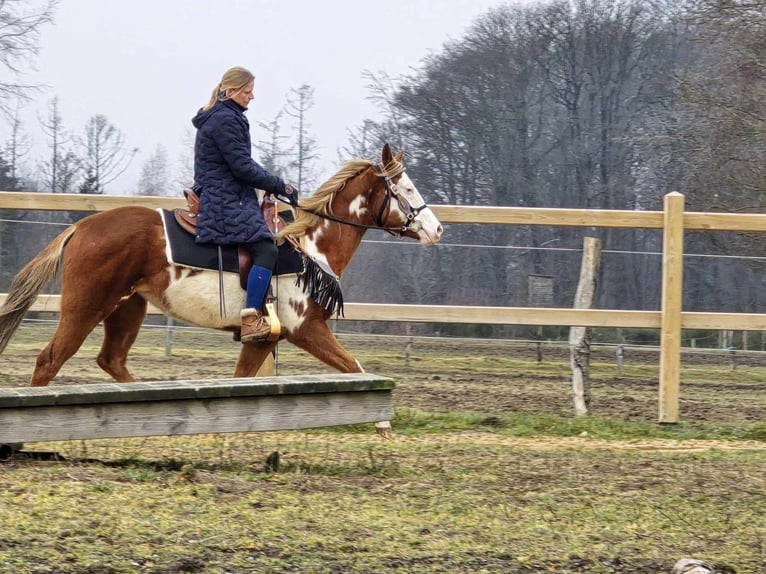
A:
{"x":226,"y":178}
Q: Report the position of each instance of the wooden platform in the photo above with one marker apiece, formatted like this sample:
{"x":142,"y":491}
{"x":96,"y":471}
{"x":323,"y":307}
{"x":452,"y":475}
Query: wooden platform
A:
{"x":166,"y":408}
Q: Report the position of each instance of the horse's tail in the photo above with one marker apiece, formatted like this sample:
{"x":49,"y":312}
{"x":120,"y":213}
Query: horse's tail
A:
{"x":28,"y":283}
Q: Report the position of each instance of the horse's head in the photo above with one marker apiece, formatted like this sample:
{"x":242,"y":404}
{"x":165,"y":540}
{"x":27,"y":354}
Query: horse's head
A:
{"x":367,"y":195}
{"x":399,"y":208}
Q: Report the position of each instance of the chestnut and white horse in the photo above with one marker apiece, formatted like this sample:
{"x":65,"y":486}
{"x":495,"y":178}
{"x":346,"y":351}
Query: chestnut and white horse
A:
{"x":114,"y":262}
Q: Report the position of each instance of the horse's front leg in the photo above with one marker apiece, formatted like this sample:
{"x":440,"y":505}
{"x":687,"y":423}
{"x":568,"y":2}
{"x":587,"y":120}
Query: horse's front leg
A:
{"x":252,"y":356}
{"x":316,"y":338}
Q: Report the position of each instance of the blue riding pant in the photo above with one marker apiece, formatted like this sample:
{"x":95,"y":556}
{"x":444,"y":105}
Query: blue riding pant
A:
{"x":264,"y":253}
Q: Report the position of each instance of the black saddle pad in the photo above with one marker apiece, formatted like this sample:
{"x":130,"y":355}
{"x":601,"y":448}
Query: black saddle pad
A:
{"x":182,"y":249}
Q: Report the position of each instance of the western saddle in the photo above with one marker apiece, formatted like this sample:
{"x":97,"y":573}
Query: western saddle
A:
{"x":187,"y":219}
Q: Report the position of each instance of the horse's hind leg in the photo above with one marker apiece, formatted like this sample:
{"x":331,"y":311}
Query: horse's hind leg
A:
{"x":120,"y":331}
{"x":69,"y":335}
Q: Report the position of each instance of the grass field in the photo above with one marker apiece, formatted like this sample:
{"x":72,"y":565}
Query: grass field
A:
{"x":489,"y":471}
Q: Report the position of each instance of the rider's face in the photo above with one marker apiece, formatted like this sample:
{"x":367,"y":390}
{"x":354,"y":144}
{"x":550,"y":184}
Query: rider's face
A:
{"x":244,"y":97}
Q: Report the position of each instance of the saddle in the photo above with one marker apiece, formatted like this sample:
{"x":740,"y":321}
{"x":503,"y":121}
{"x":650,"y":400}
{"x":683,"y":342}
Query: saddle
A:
{"x":187,"y":220}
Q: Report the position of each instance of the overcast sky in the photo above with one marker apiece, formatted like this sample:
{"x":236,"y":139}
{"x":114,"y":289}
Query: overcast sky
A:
{"x":148,"y":65}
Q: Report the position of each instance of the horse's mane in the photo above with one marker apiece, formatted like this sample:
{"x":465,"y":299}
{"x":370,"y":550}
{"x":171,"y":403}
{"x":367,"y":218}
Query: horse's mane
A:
{"x":319,"y":201}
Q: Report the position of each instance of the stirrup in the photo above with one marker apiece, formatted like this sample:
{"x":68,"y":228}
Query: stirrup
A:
{"x":276,"y":327}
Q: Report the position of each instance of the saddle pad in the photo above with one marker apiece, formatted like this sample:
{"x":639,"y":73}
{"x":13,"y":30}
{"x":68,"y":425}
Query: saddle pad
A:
{"x":182,"y":249}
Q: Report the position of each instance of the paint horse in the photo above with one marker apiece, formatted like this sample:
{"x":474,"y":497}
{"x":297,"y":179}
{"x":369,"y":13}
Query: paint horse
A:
{"x":114,"y":262}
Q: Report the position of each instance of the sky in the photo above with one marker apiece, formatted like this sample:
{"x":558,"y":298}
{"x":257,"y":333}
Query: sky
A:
{"x":148,"y":65}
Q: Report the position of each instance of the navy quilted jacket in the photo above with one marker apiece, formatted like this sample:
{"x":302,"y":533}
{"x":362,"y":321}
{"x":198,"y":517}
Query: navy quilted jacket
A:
{"x":226,"y":177}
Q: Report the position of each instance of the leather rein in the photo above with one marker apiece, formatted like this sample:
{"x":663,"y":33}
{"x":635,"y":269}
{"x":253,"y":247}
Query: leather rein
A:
{"x":410,"y":212}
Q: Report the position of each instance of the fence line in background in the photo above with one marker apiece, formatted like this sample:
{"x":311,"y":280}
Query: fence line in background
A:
{"x":673,"y":220}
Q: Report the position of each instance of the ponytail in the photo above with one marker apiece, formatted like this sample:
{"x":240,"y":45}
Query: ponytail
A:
{"x":234,"y":80}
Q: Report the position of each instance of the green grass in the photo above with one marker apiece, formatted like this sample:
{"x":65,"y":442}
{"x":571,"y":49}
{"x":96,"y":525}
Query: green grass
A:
{"x":455,"y":501}
{"x":516,"y":485}
{"x":409,"y":421}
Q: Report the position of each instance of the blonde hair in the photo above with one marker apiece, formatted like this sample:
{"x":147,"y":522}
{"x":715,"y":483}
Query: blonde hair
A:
{"x":319,"y":202}
{"x":234,"y":79}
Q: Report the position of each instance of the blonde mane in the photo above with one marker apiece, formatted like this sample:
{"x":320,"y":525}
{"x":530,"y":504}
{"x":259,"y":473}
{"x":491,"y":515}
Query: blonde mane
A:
{"x":320,"y":200}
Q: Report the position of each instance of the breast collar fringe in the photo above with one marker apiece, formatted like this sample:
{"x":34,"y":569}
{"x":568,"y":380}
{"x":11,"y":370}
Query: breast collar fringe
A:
{"x":319,"y":281}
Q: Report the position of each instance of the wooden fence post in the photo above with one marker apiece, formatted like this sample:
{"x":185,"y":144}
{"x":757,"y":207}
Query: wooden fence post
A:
{"x":169,"y":336}
{"x":579,"y":337}
{"x":620,"y":352}
{"x":672,"y":302}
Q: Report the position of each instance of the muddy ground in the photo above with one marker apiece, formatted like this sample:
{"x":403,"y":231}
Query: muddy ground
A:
{"x":441,"y":375}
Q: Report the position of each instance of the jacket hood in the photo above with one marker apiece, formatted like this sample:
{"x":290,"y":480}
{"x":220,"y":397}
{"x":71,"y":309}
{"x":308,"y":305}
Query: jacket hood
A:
{"x":204,"y":115}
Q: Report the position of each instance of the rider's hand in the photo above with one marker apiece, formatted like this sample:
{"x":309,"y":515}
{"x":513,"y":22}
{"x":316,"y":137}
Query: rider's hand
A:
{"x":291,"y":195}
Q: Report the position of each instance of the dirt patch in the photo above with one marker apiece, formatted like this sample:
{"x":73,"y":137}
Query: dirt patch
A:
{"x":492,"y":377}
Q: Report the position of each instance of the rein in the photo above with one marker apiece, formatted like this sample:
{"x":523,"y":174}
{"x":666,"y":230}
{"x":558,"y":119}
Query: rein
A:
{"x":411,"y":212}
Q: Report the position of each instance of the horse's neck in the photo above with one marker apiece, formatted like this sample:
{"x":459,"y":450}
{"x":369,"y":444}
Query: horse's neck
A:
{"x":334,"y":243}
{"x":337,"y":242}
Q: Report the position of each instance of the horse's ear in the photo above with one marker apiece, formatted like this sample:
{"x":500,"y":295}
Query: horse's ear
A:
{"x":399,"y":156}
{"x":387,"y":155}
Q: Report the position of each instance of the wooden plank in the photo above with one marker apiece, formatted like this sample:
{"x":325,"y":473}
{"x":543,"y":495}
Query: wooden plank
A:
{"x":724,"y":321}
{"x":672,"y":301}
{"x":700,"y":221}
{"x":182,"y":417}
{"x":192,"y":407}
{"x":548,"y":216}
{"x":513,"y":315}
{"x":236,"y":387}
{"x":502,"y":315}
{"x":82,"y":201}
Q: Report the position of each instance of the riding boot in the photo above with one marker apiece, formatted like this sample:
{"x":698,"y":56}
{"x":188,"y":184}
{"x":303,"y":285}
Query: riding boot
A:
{"x":255,"y":326}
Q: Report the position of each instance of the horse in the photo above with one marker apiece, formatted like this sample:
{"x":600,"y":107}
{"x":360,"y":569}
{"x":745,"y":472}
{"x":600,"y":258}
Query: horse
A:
{"x":113,"y":263}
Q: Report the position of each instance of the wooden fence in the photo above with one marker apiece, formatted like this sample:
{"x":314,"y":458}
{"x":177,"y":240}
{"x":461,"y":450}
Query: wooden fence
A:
{"x":670,"y":319}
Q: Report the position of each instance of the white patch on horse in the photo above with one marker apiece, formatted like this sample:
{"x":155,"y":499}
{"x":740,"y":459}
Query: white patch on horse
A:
{"x":286,"y":291}
{"x":196,"y":298}
{"x":430,"y":230}
{"x":358,"y":206}
{"x":310,"y":245}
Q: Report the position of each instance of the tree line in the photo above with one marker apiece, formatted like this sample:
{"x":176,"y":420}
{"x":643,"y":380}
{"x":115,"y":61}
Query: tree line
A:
{"x":599,"y":104}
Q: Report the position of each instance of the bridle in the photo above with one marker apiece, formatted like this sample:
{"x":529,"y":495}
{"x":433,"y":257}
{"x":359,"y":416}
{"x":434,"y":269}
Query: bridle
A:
{"x":391,"y":192}
{"x":410,"y":212}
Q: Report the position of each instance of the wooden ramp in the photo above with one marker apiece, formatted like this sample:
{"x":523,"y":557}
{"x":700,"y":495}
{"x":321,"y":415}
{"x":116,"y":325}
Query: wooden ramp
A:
{"x":166,"y":408}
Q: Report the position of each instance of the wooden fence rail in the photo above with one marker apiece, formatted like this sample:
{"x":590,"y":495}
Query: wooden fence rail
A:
{"x":670,"y":319}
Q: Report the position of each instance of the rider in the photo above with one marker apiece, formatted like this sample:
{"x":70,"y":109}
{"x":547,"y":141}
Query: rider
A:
{"x":226,"y":177}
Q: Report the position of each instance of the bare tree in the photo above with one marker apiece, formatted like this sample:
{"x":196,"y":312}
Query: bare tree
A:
{"x":62,"y":168}
{"x":21,"y":22}
{"x":18,"y":144}
{"x":299,"y":102}
{"x":271,"y":151}
{"x":185,"y":161}
{"x":103,"y":154}
{"x":155,"y":174}
{"x":366,"y":142}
